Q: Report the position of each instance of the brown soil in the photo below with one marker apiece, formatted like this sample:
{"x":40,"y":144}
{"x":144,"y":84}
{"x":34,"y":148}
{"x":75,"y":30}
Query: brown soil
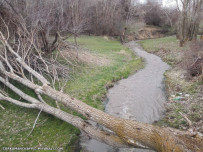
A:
{"x":146,"y":33}
{"x":150,"y":32}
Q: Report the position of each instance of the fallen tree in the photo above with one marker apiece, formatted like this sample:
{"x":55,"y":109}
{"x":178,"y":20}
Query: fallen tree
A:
{"x":124,"y":133}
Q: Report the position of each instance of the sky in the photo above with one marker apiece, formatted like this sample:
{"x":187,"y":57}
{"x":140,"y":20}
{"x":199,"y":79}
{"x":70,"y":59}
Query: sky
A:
{"x":169,"y":3}
{"x":165,"y":3}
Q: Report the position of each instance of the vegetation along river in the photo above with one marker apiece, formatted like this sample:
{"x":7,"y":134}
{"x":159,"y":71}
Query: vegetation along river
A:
{"x":140,"y":97}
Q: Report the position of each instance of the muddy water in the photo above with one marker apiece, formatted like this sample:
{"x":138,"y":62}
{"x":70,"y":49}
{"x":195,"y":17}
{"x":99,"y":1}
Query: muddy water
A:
{"x":140,"y":97}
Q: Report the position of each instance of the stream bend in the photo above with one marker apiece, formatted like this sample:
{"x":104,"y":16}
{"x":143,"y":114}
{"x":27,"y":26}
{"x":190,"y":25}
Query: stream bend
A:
{"x":140,"y":97}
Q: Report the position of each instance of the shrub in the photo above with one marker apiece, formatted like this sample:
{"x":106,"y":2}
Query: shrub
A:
{"x":157,"y":15}
{"x":194,"y":59}
{"x":152,"y":17}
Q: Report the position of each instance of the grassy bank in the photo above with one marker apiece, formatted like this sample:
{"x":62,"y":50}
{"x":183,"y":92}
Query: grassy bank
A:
{"x":184,"y":95}
{"x":89,"y":83}
{"x":167,"y":48}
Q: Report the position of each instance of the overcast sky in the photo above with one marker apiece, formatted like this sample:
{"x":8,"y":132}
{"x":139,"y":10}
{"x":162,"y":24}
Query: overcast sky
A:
{"x":165,"y":3}
{"x":169,"y":3}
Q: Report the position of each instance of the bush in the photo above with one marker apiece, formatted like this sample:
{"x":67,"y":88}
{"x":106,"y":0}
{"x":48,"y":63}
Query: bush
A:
{"x":160,"y":16}
{"x":194,"y":59}
{"x":153,"y":17}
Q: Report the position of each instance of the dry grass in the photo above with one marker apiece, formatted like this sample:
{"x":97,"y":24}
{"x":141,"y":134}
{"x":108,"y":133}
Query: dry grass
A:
{"x":87,"y":57}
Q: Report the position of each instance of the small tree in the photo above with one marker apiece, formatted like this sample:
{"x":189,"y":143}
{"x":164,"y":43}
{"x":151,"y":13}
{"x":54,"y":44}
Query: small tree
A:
{"x":153,"y":14}
{"x":189,"y":20}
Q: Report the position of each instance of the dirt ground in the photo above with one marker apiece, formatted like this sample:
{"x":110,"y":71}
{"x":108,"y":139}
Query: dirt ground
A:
{"x":147,"y":32}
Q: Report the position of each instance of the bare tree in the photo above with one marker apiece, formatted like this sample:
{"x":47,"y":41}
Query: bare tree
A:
{"x":189,"y":20}
{"x":109,"y":17}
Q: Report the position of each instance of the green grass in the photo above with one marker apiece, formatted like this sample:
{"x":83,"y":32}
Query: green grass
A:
{"x":167,"y":43}
{"x":167,"y":48}
{"x":89,"y":85}
{"x":134,"y":27}
{"x":154,"y":45}
{"x":99,"y":44}
{"x":16,"y":124}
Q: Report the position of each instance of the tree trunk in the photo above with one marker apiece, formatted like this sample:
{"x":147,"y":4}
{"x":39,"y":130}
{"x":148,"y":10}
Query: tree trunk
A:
{"x":189,"y":20}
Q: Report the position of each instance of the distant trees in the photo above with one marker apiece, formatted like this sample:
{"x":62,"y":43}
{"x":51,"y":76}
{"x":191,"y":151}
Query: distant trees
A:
{"x":157,"y":15}
{"x":153,"y":14}
{"x":102,"y":17}
{"x":109,"y":16}
{"x":99,"y":17}
{"x":185,"y":18}
{"x":189,"y":21}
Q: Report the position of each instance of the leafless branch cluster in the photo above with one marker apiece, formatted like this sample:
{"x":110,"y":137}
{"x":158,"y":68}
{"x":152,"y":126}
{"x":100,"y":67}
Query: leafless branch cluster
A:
{"x":27,"y":43}
{"x":193,"y":62}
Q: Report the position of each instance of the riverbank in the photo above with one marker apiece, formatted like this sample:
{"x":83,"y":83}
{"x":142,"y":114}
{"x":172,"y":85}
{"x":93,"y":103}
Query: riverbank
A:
{"x":184,"y":95}
{"x":103,"y":62}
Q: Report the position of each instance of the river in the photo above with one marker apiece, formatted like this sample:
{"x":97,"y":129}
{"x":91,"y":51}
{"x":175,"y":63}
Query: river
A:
{"x":140,"y":97}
